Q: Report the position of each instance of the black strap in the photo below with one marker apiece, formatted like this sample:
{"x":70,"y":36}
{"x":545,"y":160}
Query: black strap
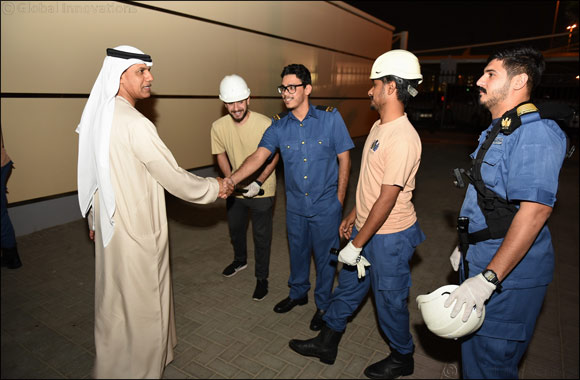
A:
{"x":498,"y":212}
{"x":126,"y":55}
{"x":475,"y":172}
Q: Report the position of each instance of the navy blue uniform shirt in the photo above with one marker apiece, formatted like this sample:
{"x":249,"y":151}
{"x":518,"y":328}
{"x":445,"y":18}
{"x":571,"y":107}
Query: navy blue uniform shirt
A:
{"x":309,"y":150}
{"x":523,"y":166}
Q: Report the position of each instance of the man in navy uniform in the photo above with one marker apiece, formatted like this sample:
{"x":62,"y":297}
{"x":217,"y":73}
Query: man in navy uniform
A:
{"x":510,"y":261}
{"x":314,"y":144}
{"x":382,"y":229}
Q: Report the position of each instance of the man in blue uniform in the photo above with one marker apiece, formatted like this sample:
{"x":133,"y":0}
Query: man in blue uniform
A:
{"x":509,"y":270}
{"x":382,"y":229}
{"x":314,"y":144}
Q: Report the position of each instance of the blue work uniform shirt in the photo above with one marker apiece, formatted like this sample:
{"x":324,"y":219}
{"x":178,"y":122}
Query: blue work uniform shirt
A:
{"x":309,"y":150}
{"x":522,"y":166}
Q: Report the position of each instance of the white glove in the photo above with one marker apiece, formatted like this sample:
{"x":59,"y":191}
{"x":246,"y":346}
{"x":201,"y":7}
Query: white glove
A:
{"x":455,"y":258}
{"x":360,"y":266}
{"x":473,"y":292}
{"x":252,"y":190}
{"x":349,"y":254}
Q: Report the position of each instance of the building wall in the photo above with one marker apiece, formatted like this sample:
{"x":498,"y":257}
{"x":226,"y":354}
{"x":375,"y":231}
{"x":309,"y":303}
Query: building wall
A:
{"x":52,"y":51}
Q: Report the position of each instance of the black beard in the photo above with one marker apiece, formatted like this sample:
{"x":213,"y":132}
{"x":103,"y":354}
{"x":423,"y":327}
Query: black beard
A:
{"x":240,"y":119}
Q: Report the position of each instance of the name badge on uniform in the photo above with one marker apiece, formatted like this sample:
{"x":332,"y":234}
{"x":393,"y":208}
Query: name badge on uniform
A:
{"x":375,"y":145}
{"x":498,"y":141}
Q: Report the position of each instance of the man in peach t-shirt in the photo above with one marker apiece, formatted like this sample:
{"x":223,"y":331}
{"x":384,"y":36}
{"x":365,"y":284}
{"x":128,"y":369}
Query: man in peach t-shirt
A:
{"x":383,"y":225}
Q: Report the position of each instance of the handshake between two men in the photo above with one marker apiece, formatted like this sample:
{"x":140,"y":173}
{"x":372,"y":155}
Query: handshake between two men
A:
{"x":227,"y":187}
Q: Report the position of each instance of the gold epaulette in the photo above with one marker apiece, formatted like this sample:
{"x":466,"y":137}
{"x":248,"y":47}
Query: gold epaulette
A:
{"x":510,"y":120}
{"x":280,"y":115}
{"x":325,"y":108}
{"x":526,"y":108}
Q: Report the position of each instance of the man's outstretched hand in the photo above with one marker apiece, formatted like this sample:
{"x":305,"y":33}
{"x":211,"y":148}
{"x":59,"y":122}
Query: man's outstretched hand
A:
{"x":226,"y":187}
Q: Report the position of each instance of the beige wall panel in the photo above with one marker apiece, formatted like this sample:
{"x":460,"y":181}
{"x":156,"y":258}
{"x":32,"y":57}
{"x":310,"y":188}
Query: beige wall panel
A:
{"x":39,"y":135}
{"x":58,"y":48}
{"x":62,"y":51}
{"x":314,"y":22}
{"x":184,"y":126}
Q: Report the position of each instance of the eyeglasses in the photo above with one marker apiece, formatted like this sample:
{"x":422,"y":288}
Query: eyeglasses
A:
{"x":291,"y":88}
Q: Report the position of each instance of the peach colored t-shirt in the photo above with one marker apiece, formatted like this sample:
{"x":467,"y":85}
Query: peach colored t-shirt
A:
{"x":391,"y":156}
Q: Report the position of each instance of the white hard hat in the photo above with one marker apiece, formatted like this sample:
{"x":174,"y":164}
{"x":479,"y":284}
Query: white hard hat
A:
{"x":401,"y":63}
{"x":233,"y":88}
{"x":438,"y":318}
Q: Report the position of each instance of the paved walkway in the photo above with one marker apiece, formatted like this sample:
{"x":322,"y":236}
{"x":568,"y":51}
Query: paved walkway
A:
{"x":47,"y":305}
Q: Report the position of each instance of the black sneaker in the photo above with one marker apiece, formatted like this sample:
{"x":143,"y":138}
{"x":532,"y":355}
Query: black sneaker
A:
{"x":261,"y":290}
{"x":234,"y":268}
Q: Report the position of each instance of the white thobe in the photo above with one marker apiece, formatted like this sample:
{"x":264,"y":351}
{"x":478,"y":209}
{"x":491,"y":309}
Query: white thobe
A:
{"x":134,"y":322}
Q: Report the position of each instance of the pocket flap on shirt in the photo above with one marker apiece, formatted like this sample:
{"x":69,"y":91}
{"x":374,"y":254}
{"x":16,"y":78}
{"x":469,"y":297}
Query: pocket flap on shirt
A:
{"x":394,"y":282}
{"x":503,"y":330}
{"x":493,"y":156}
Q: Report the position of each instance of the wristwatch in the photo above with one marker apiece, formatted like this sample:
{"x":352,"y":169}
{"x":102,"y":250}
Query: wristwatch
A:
{"x":490,"y":276}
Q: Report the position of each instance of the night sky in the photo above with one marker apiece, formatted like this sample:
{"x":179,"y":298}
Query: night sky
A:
{"x":437,"y":24}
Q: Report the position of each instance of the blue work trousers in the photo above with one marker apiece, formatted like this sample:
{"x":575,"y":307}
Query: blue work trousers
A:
{"x":318,"y":233}
{"x":8,"y":237}
{"x":496,"y":349}
{"x":259,"y":210}
{"x":390,"y":278}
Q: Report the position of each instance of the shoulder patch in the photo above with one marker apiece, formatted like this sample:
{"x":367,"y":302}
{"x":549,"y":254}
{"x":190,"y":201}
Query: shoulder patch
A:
{"x":280,"y":115}
{"x":325,"y":108}
{"x":511,"y":120}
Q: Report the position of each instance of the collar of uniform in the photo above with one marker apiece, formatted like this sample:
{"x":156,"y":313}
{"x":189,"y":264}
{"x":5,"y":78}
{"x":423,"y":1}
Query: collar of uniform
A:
{"x":311,"y":113}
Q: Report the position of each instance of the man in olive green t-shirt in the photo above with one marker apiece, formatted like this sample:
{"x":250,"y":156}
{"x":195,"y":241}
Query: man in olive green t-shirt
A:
{"x":233,"y":138}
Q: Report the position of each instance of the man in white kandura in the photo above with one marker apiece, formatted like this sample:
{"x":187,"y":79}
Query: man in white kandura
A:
{"x":123,"y":170}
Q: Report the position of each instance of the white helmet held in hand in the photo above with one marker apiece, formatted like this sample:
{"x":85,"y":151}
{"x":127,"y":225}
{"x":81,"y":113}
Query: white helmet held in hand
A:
{"x":438,"y":318}
{"x":233,"y":88}
{"x":398,"y":62}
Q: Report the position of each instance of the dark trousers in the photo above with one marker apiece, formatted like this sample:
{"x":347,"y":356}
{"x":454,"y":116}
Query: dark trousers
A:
{"x":8,"y":237}
{"x":259,"y":211}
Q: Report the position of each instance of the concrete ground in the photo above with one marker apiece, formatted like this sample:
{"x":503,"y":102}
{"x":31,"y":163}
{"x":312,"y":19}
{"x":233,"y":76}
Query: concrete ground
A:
{"x":47,"y":305}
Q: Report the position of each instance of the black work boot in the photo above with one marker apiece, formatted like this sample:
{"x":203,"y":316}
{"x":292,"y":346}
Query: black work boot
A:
{"x":324,"y":346}
{"x":317,"y":322}
{"x":393,"y":366}
{"x":10,"y":258}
